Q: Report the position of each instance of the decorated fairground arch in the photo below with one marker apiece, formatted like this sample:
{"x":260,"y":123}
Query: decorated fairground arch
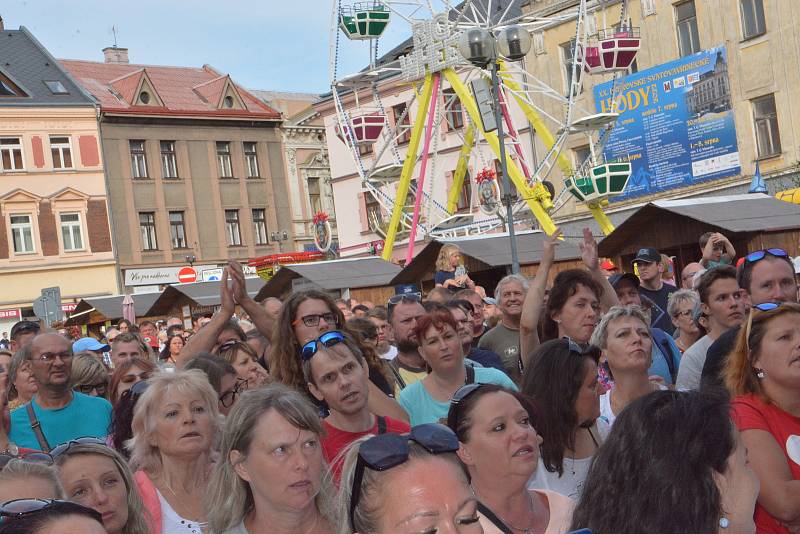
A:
{"x":404,"y":166}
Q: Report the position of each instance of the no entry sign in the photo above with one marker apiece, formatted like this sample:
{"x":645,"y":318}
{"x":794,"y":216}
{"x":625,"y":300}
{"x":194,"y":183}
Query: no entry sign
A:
{"x":187,"y":274}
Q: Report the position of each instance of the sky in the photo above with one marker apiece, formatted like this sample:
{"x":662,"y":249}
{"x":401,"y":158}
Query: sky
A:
{"x":276,"y":45}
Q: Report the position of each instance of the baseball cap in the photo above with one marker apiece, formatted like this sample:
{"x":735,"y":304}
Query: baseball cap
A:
{"x":615,"y":279}
{"x":22,"y":327}
{"x":89,"y":343}
{"x":608,"y":265}
{"x":648,"y":255}
{"x":490,"y":300}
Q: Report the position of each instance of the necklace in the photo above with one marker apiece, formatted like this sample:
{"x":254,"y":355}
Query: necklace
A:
{"x":524,"y":530}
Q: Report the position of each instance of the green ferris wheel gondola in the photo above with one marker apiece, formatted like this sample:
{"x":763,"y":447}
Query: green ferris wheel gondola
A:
{"x":603,"y":180}
{"x":364,"y":20}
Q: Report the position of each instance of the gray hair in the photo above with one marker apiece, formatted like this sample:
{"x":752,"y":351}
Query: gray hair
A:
{"x":371,"y":503}
{"x":679,"y":297}
{"x":229,"y":498}
{"x":144,"y":455}
{"x":507,"y":280}
{"x":19,"y":469}
{"x":600,"y":335}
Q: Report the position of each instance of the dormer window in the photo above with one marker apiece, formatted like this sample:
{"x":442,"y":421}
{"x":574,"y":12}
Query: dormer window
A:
{"x":228,"y":102}
{"x":144,"y":97}
{"x":9,"y":88}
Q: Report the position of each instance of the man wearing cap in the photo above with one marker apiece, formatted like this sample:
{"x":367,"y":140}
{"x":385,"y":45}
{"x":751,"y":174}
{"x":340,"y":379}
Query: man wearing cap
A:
{"x":648,"y":262}
{"x":23,"y":333}
{"x":90,"y":344}
{"x":665,"y":355}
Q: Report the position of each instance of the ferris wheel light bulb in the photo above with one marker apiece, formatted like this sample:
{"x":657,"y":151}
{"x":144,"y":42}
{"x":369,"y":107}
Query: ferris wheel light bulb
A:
{"x":477,"y":46}
{"x":513,"y":43}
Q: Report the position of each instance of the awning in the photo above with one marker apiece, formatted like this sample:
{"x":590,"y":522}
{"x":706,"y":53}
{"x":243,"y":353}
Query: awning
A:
{"x":195,"y":294}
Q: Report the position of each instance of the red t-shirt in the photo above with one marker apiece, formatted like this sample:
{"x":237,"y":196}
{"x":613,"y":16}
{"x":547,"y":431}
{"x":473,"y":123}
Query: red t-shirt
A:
{"x":337,"y":440}
{"x":751,"y":413}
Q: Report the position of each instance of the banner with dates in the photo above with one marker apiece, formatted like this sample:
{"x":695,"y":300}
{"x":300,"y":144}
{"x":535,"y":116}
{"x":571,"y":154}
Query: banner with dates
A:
{"x":676,"y":124}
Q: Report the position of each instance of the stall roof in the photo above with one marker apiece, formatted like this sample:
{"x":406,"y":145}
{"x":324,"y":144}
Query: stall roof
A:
{"x":111,"y":307}
{"x":492,"y":250}
{"x":195,"y":294}
{"x":345,"y":273}
{"x":733,"y":214}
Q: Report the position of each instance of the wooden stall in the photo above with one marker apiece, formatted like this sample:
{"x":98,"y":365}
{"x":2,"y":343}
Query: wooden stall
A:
{"x":751,"y":222}
{"x":184,"y":300}
{"x":94,"y":312}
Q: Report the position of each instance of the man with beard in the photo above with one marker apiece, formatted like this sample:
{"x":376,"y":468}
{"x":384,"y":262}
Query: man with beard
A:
{"x":337,"y":374}
{"x":56,"y":414}
{"x":503,"y":339}
{"x":408,"y":366}
{"x":721,"y":301}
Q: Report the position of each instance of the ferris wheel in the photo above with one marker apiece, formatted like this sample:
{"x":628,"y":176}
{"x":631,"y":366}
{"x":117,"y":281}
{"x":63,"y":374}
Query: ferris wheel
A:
{"x":399,"y":158}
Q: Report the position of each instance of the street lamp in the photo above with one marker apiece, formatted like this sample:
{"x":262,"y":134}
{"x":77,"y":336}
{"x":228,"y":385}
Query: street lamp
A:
{"x":279,"y":237}
{"x":482,"y":49}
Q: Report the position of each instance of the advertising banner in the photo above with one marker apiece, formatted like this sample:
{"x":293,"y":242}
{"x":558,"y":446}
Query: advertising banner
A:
{"x":675,"y":125}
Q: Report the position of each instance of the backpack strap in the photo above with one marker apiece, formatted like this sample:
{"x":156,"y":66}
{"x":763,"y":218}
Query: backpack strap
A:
{"x":36,"y":426}
{"x":470,"y":375}
{"x":381,"y":424}
{"x":493,"y":519}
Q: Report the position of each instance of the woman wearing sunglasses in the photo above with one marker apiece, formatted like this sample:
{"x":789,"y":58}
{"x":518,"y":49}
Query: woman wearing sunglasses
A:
{"x":48,"y":516}
{"x":562,"y":383}
{"x":89,"y":376}
{"x":305,"y":316}
{"x":500,"y":449}
{"x":97,"y":477}
{"x":427,"y":400}
{"x":269,"y":477}
{"x":394,"y":483}
{"x":763,"y":376}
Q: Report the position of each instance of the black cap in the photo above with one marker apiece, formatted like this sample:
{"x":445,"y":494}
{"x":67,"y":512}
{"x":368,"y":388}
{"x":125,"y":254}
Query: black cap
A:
{"x":615,"y":279}
{"x":649,"y":255}
{"x":21,"y":327}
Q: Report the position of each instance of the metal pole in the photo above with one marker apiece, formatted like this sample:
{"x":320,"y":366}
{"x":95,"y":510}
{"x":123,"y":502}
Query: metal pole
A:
{"x":506,"y":182}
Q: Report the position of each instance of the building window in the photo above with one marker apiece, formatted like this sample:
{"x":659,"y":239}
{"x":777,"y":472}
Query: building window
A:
{"x":62,"y":153}
{"x":147,"y":226}
{"x":177,"y":229}
{"x":232,"y":228}
{"x":402,"y":122}
{"x":169,"y":162}
{"x":313,"y":195}
{"x":768,"y":138}
{"x":11,"y":154}
{"x":455,"y":113}
{"x":465,"y":196}
{"x":260,"y":226}
{"x":71,"y":231}
{"x":224,"y":159}
{"x":56,"y":87}
{"x":138,"y":159}
{"x":374,"y":214}
{"x":9,"y":88}
{"x":686,"y":21}
{"x":251,"y":160}
{"x":568,"y":53}
{"x":22,"y":234}
{"x":752,"y":18}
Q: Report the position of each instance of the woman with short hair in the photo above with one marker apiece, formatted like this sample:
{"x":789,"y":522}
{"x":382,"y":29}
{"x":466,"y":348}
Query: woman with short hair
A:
{"x":623,"y":336}
{"x":244,"y":360}
{"x":89,"y":376}
{"x":681,"y":308}
{"x":175,"y":427}
{"x":98,"y":477}
{"x":562,"y":383}
{"x":673,"y":463}
{"x":270,"y":470}
{"x":763,"y":377}
{"x":404,"y":484}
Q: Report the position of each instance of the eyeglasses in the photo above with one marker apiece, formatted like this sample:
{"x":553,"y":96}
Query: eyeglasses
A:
{"x":385,"y":451}
{"x":312,"y":320}
{"x":684,"y":313}
{"x":50,"y":357}
{"x":229,"y":397}
{"x":58,"y":450}
{"x":328,"y":339}
{"x":759,"y":255}
{"x":32,"y":458}
{"x":404,"y":297}
{"x":87,"y":389}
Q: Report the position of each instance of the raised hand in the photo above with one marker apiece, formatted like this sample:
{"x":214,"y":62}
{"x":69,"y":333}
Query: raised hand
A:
{"x":550,"y":244}
{"x":239,"y":285}
{"x":228,"y":305}
{"x":589,"y":250}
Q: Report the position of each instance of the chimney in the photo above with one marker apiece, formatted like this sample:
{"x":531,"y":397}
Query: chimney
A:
{"x":115,"y":55}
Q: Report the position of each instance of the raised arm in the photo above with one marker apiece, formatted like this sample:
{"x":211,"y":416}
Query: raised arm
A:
{"x":592,"y":262}
{"x":206,"y":337}
{"x":534,"y":299}
{"x":263,"y":321}
{"x":729,"y":250}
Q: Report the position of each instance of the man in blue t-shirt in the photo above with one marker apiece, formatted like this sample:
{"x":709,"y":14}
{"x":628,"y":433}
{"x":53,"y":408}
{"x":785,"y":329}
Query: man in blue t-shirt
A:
{"x":62,"y":414}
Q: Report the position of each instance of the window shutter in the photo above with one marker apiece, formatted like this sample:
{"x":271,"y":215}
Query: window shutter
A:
{"x":538,"y":43}
{"x":362,"y":212}
{"x":648,"y":7}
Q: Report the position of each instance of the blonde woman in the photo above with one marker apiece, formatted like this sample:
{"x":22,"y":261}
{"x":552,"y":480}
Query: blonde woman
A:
{"x":270,"y":474}
{"x":175,"y":426}
{"x":450,"y":271}
{"x":97,"y":477}
{"x":89,"y":376}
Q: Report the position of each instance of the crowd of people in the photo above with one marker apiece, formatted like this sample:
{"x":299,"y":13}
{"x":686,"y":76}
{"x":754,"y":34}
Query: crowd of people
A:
{"x":619,"y":402}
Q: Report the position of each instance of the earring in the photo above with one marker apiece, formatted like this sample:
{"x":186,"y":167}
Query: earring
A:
{"x":724,"y":522}
{"x":759,"y":373}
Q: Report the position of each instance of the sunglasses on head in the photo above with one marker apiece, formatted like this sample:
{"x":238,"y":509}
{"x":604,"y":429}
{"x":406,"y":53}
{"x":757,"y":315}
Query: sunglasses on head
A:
{"x":328,"y":339}
{"x":385,"y":451}
{"x":764,"y":307}
{"x":404,"y":297}
{"x":58,"y":450}
{"x":32,"y":458}
{"x":759,"y":255}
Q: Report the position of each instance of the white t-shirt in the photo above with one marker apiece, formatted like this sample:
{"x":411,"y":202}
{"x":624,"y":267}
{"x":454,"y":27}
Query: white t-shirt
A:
{"x":692,"y":362}
{"x":605,"y":406}
{"x":389,"y":354}
{"x":172,"y":523}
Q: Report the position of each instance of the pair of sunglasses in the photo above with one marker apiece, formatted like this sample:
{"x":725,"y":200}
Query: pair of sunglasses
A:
{"x":32,"y":457}
{"x":22,"y":507}
{"x":764,"y":307}
{"x":64,"y":448}
{"x":385,"y":451}
{"x":404,"y":297}
{"x":328,"y":339}
{"x":759,"y":255}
